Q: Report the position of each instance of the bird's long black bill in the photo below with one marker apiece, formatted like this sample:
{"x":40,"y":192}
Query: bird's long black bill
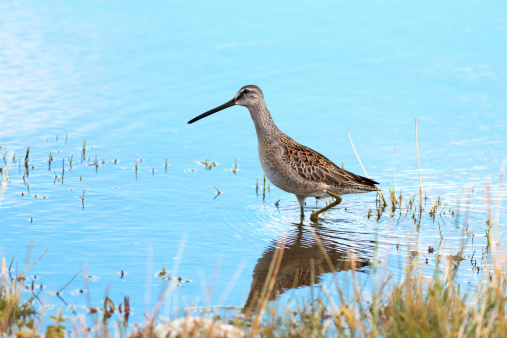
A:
{"x":213,"y":111}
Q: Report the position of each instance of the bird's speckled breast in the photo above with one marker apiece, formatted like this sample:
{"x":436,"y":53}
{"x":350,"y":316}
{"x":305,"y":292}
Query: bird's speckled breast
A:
{"x":283,"y":176}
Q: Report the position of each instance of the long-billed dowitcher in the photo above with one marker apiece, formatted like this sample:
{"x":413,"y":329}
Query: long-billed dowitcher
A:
{"x":289,"y":165}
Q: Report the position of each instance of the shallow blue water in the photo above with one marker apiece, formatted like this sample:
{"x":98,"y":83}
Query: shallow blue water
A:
{"x":127,"y":77}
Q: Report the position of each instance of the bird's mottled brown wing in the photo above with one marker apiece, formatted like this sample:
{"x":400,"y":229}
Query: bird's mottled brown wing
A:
{"x":316,"y":167}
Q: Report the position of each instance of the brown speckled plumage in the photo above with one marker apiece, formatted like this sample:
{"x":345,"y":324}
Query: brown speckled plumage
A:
{"x":289,"y":165}
{"x":315,"y":167}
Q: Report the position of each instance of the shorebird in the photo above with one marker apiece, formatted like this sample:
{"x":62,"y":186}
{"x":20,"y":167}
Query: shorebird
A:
{"x":289,"y":165}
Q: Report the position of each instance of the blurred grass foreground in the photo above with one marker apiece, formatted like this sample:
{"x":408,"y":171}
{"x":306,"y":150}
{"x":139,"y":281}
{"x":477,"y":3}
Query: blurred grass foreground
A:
{"x":413,"y":305}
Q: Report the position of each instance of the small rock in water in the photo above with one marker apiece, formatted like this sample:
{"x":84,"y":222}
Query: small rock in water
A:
{"x":199,"y":327}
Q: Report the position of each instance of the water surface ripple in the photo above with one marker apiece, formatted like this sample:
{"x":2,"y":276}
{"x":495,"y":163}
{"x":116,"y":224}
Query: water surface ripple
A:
{"x":126,"y":77}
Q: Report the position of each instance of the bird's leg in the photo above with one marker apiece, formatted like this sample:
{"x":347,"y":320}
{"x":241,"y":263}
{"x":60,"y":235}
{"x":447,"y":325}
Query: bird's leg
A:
{"x":301,"y":200}
{"x":314,"y":217}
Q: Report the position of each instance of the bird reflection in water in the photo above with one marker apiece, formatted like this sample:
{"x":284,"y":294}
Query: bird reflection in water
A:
{"x":301,"y":255}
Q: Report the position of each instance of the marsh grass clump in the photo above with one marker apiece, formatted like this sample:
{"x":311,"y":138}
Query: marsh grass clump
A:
{"x":218,"y":192}
{"x":50,"y":160}
{"x":234,"y":170}
{"x":17,"y":315}
{"x":208,"y":164}
{"x":438,"y":307}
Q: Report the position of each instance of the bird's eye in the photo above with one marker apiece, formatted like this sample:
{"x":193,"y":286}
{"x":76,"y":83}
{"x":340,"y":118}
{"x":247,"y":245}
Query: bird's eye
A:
{"x":245,"y":91}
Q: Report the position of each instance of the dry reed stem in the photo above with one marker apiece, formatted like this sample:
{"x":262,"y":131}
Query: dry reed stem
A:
{"x":324,"y":252}
{"x":149,"y":272}
{"x":232,"y":282}
{"x":394,"y":172}
{"x":5,"y":177}
{"x":62,"y":288}
{"x":267,"y":289}
{"x":350,"y":319}
{"x":352,"y":143}
{"x":75,"y":326}
{"x":214,"y":277}
{"x":30,"y":266}
{"x":162,"y":297}
{"x":83,"y":325}
{"x":3,"y":184}
{"x":166,"y":291}
{"x":488,"y":197}
{"x":3,"y":271}
{"x":9,"y":147}
{"x":500,"y":190}
{"x":418,"y":167}
{"x":357,"y":154}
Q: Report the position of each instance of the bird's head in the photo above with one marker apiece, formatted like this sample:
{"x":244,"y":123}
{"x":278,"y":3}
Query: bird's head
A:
{"x":248,"y":96}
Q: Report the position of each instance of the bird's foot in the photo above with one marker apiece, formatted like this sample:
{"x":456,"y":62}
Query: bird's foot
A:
{"x":314,"y":217}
